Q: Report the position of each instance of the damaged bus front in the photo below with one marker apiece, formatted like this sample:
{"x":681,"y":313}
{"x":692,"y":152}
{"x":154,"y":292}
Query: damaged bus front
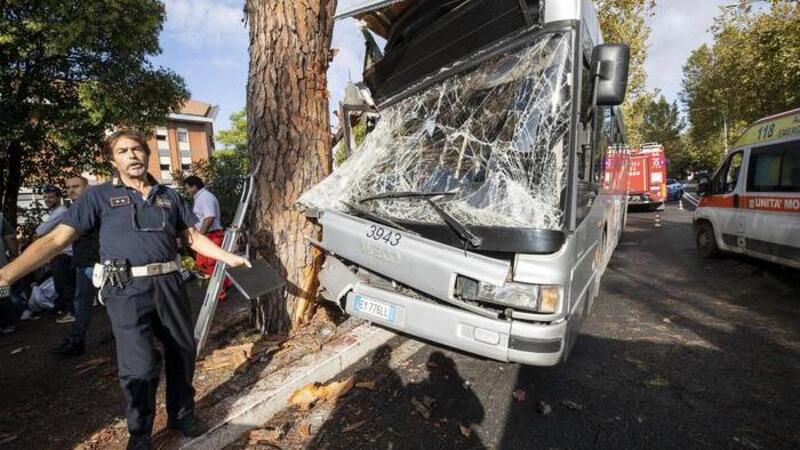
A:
{"x":480,"y":211}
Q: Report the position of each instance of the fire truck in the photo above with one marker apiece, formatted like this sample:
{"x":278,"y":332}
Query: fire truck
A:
{"x":647,"y":176}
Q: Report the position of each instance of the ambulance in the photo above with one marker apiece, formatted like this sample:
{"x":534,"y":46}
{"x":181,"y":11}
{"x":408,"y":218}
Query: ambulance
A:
{"x":751,"y":205}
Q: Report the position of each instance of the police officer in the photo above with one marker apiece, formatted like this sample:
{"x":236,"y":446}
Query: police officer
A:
{"x":139,"y":221}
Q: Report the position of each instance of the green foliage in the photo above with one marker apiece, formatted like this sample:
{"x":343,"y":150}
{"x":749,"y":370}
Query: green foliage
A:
{"x":359,"y":134}
{"x":662,"y":123}
{"x":70,"y":70}
{"x":624,"y":22}
{"x":751,"y":70}
{"x":224,"y":172}
{"x":236,"y":137}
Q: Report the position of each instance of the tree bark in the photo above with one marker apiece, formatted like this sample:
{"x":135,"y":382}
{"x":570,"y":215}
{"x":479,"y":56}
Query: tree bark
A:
{"x":13,"y":182}
{"x":289,"y":139}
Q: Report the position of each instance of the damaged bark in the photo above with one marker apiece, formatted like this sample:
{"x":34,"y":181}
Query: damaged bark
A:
{"x":289,"y":138}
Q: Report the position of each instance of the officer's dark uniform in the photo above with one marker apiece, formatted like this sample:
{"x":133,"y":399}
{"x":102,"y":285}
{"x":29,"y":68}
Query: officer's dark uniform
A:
{"x":144,"y":231}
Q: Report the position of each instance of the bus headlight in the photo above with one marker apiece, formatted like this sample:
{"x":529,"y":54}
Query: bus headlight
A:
{"x":531,"y":297}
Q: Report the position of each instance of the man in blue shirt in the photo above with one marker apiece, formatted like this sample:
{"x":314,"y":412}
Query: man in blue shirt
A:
{"x":139,"y":221}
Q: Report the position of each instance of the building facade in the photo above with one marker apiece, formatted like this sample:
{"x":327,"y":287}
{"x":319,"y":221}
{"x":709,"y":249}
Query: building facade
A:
{"x":186,"y":137}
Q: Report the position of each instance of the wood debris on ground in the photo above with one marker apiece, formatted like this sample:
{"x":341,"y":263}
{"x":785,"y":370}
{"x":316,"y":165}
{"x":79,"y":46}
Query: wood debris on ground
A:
{"x":369,"y":385}
{"x":353,"y":426}
{"x":572,"y":405}
{"x":423,"y":410}
{"x":240,"y":357}
{"x":306,"y":397}
{"x":88,"y":366}
{"x":465,"y":430}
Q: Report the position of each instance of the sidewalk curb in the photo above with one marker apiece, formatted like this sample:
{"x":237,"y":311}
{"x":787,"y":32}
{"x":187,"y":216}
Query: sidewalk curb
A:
{"x":269,"y":395}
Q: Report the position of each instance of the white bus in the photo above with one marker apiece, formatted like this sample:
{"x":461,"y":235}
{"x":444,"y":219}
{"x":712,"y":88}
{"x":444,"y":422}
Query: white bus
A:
{"x":482,"y":209}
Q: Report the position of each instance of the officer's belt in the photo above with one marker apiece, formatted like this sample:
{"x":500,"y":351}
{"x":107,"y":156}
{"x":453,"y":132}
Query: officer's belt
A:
{"x":154,"y":269}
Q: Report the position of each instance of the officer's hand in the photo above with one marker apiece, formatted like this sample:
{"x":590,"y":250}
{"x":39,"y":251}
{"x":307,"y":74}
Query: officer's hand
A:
{"x":236,"y":261}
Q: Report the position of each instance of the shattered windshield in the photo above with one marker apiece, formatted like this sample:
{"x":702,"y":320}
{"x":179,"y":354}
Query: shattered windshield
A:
{"x":495,"y":136}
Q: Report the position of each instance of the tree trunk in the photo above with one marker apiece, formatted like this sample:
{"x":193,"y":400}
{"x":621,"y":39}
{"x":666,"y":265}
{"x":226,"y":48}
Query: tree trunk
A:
{"x":13,"y":182}
{"x":289,"y":137}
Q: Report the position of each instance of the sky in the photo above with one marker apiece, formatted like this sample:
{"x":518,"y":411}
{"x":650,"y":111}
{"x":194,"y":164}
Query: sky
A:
{"x":205,"y":41}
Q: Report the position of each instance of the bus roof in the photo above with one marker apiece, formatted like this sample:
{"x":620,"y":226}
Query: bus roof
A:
{"x":772,"y":128}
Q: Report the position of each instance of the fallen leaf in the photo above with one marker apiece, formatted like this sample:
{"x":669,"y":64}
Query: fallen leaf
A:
{"x":465,"y":431}
{"x":666,"y":320}
{"x":353,"y":426}
{"x":519,"y":395}
{"x":19,"y":350}
{"x":93,"y":362}
{"x":572,"y":405}
{"x":305,"y":431}
{"x":544,"y":408}
{"x":421,"y":409}
{"x":368,"y":385}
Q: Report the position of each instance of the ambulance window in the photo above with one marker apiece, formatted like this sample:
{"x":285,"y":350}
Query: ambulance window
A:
{"x":765,"y":170}
{"x":790,"y":175}
{"x":729,"y":175}
{"x":775,"y":168}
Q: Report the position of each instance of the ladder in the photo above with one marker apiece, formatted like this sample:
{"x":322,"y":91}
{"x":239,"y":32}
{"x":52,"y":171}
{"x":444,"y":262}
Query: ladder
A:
{"x":232,"y":234}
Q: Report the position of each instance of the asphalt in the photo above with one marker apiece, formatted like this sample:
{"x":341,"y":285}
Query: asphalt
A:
{"x":679,"y":352}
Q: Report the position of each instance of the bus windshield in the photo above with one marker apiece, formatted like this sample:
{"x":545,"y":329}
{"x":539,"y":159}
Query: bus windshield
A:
{"x":494,"y":137}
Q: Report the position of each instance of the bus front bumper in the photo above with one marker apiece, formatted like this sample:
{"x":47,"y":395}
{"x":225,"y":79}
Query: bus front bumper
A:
{"x":536,"y":344}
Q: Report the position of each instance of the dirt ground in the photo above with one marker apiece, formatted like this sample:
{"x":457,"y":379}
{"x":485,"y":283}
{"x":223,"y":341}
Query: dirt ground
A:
{"x":51,"y":403}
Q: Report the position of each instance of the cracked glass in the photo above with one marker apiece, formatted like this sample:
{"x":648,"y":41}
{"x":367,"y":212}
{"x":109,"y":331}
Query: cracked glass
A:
{"x":495,"y":137}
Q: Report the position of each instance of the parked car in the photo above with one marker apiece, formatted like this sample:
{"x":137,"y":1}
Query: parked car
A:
{"x":674,"y":189}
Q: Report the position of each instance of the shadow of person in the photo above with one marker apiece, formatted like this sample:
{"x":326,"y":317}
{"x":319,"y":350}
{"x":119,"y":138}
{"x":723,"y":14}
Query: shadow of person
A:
{"x":428,"y":414}
{"x":445,"y":399}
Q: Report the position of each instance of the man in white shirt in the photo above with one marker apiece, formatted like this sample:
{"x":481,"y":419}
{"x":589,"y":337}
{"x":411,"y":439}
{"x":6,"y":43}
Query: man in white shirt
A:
{"x":206,"y":208}
{"x":61,"y":265}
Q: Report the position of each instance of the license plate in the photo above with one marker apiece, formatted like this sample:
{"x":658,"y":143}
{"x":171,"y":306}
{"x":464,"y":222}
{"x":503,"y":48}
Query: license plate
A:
{"x":374,"y":308}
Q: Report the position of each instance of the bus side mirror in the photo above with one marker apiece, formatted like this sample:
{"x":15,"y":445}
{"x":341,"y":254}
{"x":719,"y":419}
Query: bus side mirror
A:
{"x":703,"y":186}
{"x":610,"y":63}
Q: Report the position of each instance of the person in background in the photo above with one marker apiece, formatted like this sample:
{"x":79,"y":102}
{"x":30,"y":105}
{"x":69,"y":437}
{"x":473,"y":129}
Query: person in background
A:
{"x":85,"y":254}
{"x":9,"y":249}
{"x":61,"y":265}
{"x":206,"y":208}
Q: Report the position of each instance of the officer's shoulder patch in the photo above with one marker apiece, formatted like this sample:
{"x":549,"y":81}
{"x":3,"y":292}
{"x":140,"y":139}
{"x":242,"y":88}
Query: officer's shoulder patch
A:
{"x":119,"y":201}
{"x":163,"y":202}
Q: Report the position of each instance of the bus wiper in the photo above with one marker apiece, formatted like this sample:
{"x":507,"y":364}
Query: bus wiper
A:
{"x":451,"y":221}
{"x":377,"y":218}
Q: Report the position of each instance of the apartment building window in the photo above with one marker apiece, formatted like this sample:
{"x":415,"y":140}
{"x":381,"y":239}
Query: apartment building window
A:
{"x":161,"y":139}
{"x":183,"y":136}
{"x":166,"y":172}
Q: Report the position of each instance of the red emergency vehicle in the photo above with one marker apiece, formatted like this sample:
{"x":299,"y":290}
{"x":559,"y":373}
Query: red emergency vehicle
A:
{"x":647,"y":176}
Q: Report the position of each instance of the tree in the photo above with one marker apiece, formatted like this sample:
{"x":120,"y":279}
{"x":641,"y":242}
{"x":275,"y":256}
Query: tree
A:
{"x":751,"y":70}
{"x":69,"y":71}
{"x":624,"y":22}
{"x":289,"y":140}
{"x":662,"y":123}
